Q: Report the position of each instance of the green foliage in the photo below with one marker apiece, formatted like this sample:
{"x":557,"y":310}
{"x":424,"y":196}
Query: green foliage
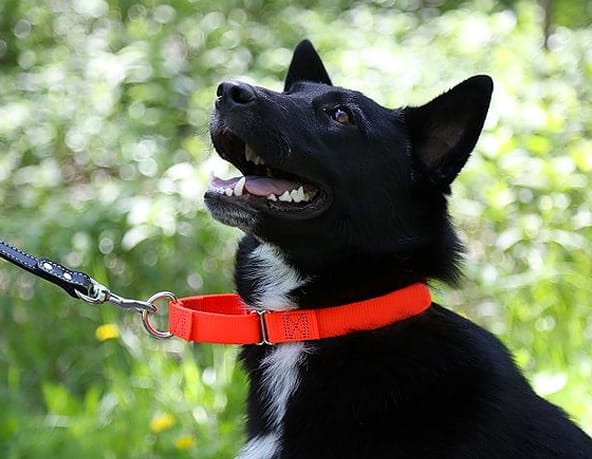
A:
{"x":568,"y":13}
{"x":104,"y":156}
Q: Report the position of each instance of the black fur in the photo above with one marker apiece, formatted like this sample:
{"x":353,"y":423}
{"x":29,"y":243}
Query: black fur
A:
{"x":434,"y":386}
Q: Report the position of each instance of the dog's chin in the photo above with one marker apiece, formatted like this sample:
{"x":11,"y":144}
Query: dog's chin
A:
{"x":231,"y":214}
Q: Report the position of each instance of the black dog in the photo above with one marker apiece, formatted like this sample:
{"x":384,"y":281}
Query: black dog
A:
{"x":344,"y":200}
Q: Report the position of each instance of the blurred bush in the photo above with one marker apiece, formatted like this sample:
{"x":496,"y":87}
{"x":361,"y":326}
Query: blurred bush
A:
{"x":104,"y":156}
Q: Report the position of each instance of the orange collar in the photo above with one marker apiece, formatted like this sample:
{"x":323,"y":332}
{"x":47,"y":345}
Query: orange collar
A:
{"x":225,"y":319}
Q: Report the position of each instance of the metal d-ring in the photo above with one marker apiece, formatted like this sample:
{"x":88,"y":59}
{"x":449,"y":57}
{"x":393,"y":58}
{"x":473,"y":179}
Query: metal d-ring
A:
{"x":155,"y":332}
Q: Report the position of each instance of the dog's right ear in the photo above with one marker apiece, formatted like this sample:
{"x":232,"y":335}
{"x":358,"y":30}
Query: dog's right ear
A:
{"x":444,"y":131}
{"x":306,"y":65}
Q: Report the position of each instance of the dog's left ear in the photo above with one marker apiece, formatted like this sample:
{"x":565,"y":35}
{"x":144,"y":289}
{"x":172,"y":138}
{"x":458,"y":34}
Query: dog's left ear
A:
{"x":306,"y":65}
{"x":444,"y":131}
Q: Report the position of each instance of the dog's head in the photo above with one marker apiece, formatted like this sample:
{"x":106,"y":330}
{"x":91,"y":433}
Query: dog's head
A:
{"x":327,"y":170}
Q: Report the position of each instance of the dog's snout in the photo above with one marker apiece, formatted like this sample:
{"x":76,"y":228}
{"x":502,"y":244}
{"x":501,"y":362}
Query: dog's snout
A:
{"x":232,"y":93}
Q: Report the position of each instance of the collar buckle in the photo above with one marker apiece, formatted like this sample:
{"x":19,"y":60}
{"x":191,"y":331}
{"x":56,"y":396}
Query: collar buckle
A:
{"x":263,"y":328}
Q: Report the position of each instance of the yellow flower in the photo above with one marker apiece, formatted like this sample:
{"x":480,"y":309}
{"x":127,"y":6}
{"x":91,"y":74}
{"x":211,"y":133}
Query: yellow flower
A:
{"x":162,"y":421}
{"x":184,"y":442}
{"x":107,"y":331}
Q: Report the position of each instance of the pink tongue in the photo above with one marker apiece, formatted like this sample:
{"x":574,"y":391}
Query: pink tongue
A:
{"x":258,"y":186}
{"x":264,"y":186}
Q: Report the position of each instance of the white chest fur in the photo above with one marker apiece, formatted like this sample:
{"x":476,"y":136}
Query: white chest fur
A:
{"x":280,"y":380}
{"x":274,"y":280}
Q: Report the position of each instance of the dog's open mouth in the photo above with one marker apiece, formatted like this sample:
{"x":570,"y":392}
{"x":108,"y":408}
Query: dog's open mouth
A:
{"x":263,"y":186}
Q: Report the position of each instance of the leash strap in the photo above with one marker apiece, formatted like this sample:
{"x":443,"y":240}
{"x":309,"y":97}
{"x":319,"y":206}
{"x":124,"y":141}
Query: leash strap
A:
{"x":70,"y":281}
{"x":225,"y":319}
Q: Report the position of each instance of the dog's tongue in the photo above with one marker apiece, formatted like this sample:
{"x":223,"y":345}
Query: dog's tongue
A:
{"x":264,"y":186}
{"x":256,"y":185}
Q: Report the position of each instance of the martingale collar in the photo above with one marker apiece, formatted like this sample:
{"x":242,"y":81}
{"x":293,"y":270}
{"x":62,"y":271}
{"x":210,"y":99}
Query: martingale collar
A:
{"x":225,"y":319}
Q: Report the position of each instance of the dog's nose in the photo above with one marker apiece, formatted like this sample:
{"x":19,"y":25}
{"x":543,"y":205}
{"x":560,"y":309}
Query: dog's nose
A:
{"x":234,"y":93}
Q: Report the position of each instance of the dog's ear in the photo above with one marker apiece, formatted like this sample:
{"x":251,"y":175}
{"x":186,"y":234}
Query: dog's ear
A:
{"x":444,"y":131}
{"x":306,"y":65}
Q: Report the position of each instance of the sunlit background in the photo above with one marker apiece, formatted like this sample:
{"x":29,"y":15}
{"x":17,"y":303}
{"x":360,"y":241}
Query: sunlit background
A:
{"x":104,"y":156}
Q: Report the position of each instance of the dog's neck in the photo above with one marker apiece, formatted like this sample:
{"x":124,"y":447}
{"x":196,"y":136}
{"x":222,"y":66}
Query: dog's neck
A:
{"x":267,"y":278}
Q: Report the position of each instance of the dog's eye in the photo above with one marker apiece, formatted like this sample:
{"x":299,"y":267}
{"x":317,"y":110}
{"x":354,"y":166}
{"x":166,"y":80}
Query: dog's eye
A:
{"x":341,"y":115}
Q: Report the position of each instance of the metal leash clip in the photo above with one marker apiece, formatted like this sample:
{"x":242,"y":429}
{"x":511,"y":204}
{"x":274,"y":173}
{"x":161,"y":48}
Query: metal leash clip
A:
{"x":100,"y":295}
{"x":96,"y":293}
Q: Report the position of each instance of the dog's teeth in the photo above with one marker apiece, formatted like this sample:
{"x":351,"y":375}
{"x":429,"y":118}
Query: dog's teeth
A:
{"x":298,"y":195}
{"x":301,"y":194}
{"x":228,"y":191}
{"x":295,"y":196}
{"x":285,"y":197}
{"x":253,"y":157}
{"x":310,"y":195}
{"x":249,"y":154}
{"x":239,"y":187}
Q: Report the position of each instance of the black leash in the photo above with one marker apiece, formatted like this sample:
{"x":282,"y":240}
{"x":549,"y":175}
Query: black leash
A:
{"x":73,"y":282}
{"x":81,"y":286}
